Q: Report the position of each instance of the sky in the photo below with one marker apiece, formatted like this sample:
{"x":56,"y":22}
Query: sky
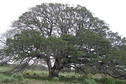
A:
{"x":113,"y":12}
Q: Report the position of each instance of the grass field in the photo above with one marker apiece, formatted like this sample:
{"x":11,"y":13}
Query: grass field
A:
{"x":41,"y":77}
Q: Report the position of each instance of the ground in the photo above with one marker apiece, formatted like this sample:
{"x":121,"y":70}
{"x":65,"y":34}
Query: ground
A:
{"x":41,"y":77}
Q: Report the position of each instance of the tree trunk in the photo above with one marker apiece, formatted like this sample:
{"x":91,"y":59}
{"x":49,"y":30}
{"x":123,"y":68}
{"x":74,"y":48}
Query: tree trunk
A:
{"x":53,"y":73}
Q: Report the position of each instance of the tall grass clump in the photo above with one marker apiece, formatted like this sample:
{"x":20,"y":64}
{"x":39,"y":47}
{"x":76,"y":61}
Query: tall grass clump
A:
{"x":19,"y":77}
{"x":6,"y":79}
{"x":110,"y":81}
{"x":120,"y":82}
{"x":14,"y":79}
{"x":55,"y":79}
{"x":90,"y":81}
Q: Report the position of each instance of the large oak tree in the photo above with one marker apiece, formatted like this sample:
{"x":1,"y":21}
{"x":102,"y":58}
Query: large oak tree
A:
{"x":62,"y":36}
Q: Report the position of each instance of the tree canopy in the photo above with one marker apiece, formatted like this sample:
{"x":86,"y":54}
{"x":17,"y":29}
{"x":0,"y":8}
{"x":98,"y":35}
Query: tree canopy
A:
{"x":64,"y":36}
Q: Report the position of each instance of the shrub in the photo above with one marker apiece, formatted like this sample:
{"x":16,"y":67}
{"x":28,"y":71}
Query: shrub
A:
{"x":18,"y":77}
{"x":120,"y":82}
{"x":34,"y":74}
{"x":110,"y":81}
{"x":90,"y":81}
{"x":27,"y":74}
{"x":75,"y":81}
{"x":55,"y":79}
{"x":6,"y":79}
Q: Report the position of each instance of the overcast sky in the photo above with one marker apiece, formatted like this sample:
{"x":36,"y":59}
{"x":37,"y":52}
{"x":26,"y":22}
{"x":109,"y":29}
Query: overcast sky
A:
{"x":112,"y":12}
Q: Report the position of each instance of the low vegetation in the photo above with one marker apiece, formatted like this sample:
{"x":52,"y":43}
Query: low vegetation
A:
{"x":41,"y":77}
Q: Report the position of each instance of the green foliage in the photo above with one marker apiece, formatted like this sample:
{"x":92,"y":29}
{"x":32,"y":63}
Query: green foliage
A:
{"x":120,"y":82}
{"x":56,"y":45}
{"x":15,"y":79}
{"x":30,"y":42}
{"x":70,"y":39}
{"x":92,"y":40}
{"x":19,"y":77}
{"x":110,"y":81}
{"x":90,"y":81}
{"x":64,"y":78}
{"x":75,"y":81}
{"x":55,"y":79}
{"x":6,"y":79}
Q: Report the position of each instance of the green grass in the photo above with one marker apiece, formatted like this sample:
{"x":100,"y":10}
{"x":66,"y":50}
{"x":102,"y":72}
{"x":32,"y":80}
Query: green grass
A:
{"x":41,"y":77}
{"x":3,"y":69}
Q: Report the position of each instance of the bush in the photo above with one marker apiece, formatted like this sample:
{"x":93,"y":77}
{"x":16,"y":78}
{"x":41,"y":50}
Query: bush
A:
{"x":75,"y":81}
{"x":107,"y":80}
{"x":90,"y":81}
{"x":34,"y":74}
{"x":15,"y":79}
{"x":55,"y":79}
{"x":120,"y":82}
{"x":6,"y":79}
{"x":27,"y":74}
{"x":110,"y":81}
{"x":18,"y":77}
